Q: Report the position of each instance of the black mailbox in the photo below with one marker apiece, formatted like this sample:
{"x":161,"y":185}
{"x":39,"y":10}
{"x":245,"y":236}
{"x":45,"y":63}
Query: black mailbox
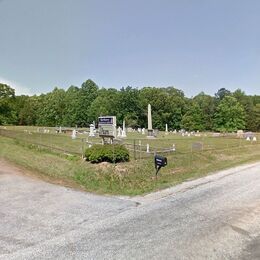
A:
{"x":159,"y":161}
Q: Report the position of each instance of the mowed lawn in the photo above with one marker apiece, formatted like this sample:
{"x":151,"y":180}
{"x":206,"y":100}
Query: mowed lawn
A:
{"x":57,"y":158}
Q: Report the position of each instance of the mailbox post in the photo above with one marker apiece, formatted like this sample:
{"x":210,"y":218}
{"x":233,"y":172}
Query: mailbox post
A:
{"x":159,"y":162}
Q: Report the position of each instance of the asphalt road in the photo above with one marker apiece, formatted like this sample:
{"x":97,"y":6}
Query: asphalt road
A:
{"x":216,"y":217}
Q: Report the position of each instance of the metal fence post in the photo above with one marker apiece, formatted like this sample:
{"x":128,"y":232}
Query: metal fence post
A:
{"x":134,"y":150}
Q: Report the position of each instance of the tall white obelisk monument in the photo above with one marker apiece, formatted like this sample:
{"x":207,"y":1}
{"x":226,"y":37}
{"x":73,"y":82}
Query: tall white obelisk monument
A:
{"x":150,"y":125}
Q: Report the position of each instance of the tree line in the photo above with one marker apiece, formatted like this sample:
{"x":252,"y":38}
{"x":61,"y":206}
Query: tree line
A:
{"x":226,"y":111}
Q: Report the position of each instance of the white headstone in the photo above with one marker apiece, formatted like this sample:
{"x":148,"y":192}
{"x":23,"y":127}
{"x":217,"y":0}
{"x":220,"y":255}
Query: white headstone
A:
{"x":254,"y":138}
{"x":124,"y":130}
{"x":91,"y":130}
{"x":74,"y":134}
{"x":248,"y":138}
{"x":166,"y":129}
{"x":143,"y":131}
{"x":148,"y":148}
{"x":119,"y":132}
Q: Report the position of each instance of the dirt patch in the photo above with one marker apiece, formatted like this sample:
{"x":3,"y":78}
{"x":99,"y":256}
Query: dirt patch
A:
{"x":10,"y":168}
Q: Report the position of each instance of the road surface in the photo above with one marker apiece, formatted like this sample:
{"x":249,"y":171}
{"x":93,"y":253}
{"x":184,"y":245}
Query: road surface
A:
{"x":216,"y":217}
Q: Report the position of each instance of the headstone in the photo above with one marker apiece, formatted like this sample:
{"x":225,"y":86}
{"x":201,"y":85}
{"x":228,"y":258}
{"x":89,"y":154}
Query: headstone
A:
{"x":249,"y":134}
{"x":91,"y":130}
{"x":248,"y":138}
{"x":166,"y":129}
{"x":150,"y":125}
{"x":119,"y":132}
{"x":74,"y":134}
{"x":143,"y":131}
{"x":148,"y":148}
{"x":254,"y":139}
{"x":197,"y":146}
{"x":240,"y":133}
{"x":124,"y":130}
{"x":60,"y":131}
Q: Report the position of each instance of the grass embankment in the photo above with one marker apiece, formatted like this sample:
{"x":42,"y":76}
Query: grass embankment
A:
{"x":135,"y":177}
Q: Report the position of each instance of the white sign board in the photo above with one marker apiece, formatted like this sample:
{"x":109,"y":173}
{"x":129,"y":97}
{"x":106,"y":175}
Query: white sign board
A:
{"x":107,"y":126}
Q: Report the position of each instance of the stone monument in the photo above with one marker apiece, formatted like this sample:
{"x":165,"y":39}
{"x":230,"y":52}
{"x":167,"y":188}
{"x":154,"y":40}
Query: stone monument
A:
{"x":74,"y":134}
{"x":150,"y":125}
{"x":91,"y":130}
{"x":124,"y":130}
{"x":166,"y":129}
{"x":119,"y":132}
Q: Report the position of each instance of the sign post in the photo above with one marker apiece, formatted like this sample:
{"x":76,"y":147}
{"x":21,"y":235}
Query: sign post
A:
{"x":107,"y":127}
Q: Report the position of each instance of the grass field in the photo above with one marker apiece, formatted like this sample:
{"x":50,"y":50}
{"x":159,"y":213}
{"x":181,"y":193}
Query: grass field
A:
{"x":47,"y":155}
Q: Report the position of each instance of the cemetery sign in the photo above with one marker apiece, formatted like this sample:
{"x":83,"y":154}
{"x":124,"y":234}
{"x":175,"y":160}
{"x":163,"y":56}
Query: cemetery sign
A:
{"x":107,"y":126}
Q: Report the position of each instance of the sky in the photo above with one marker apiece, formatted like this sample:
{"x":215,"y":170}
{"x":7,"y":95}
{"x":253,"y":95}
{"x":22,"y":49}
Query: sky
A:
{"x":193,"y":45}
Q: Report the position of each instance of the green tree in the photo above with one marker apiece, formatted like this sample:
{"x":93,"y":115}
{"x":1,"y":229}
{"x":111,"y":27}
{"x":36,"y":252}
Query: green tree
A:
{"x":7,"y":100}
{"x":29,"y":109}
{"x":87,"y":94}
{"x":222,"y":92}
{"x":229,"y":116}
{"x":168,"y":106}
{"x":129,"y":107}
{"x":106,"y":103}
{"x":255,"y":124}
{"x":207,"y":106}
{"x":193,"y":118}
{"x":52,"y":109}
{"x":72,"y":109}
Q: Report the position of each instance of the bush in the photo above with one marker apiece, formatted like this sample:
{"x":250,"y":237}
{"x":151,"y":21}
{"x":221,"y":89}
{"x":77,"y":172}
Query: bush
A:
{"x":107,"y":153}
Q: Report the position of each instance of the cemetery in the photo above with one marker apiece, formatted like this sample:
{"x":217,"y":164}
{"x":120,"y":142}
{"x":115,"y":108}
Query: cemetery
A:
{"x":110,"y":156}
{"x":76,"y":154}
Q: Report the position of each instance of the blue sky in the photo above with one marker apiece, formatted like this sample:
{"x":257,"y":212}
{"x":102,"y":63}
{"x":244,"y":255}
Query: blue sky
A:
{"x":192,"y":45}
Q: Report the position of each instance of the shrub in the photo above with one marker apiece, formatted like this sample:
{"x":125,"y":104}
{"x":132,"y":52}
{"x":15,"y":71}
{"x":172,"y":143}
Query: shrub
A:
{"x":107,"y":153}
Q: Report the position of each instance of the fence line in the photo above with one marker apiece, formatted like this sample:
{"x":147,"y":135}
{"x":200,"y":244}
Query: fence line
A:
{"x":64,"y":144}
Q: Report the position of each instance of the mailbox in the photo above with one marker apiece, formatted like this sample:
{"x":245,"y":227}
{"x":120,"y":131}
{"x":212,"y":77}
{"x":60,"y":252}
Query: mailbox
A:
{"x":159,"y":161}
